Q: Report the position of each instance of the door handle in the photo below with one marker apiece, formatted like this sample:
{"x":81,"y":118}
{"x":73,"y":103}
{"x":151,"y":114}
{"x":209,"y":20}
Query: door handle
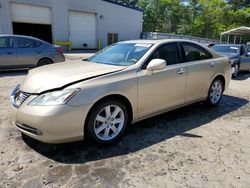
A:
{"x":181,"y":71}
{"x":9,"y":53}
{"x":38,"y":52}
{"x":212,"y":64}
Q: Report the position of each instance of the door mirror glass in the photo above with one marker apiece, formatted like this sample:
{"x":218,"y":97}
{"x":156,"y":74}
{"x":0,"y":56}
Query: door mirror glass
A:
{"x":156,"y":64}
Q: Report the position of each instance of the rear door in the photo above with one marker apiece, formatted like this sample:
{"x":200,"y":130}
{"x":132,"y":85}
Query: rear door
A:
{"x":7,"y":52}
{"x":28,"y":52}
{"x":164,"y":88}
{"x":200,"y":69}
{"x":244,"y":59}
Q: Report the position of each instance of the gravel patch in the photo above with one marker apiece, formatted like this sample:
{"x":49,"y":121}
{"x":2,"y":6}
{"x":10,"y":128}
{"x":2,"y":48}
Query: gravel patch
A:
{"x":194,"y":146}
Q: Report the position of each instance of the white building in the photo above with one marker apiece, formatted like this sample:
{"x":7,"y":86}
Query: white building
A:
{"x":87,"y":23}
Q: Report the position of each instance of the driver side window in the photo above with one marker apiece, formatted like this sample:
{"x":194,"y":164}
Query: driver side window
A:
{"x":168,"y":52}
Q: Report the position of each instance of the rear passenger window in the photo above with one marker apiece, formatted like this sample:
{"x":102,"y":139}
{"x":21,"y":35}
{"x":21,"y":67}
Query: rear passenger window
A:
{"x":168,"y":52}
{"x":6,"y":42}
{"x":194,"y":52}
{"x":27,"y":43}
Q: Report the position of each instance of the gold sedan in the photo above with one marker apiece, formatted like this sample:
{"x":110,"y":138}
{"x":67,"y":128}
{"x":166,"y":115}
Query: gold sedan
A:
{"x":122,"y":84}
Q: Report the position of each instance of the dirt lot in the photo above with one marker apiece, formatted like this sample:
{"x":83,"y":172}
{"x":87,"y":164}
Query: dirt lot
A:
{"x":194,"y":146}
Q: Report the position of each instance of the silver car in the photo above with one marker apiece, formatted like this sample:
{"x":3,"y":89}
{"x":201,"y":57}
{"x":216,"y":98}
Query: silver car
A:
{"x":239,"y":56}
{"x":122,"y":84}
{"x":26,"y":52}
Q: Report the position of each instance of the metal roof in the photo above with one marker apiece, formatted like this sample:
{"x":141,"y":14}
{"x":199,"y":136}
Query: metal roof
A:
{"x":124,"y":5}
{"x":240,"y":31}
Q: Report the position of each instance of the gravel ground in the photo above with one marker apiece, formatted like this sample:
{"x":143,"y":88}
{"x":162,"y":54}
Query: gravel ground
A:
{"x":194,"y":146}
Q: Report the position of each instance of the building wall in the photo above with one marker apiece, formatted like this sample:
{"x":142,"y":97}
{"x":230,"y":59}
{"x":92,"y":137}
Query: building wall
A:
{"x":5,"y":17}
{"x":116,"y":19}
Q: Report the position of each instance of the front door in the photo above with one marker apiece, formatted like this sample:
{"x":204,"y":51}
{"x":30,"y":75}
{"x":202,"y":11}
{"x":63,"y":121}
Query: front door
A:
{"x":7,"y":52}
{"x":244,"y":59}
{"x":164,"y":88}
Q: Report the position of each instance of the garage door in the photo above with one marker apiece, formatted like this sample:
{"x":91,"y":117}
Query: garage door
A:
{"x":82,"y":30}
{"x":30,"y":14}
{"x":32,"y":21}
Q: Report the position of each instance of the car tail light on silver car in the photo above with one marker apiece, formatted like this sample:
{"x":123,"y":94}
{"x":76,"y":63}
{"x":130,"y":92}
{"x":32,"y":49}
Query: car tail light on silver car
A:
{"x":18,"y":97}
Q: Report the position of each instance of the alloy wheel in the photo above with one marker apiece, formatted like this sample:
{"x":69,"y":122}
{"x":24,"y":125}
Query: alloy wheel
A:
{"x":109,"y":122}
{"x":216,"y":92}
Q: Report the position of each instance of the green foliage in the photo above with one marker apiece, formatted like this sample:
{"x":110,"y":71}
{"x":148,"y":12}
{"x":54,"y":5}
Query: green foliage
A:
{"x":127,"y":2}
{"x":203,"y":18}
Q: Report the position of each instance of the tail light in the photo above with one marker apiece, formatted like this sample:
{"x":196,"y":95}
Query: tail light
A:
{"x":59,"y":50}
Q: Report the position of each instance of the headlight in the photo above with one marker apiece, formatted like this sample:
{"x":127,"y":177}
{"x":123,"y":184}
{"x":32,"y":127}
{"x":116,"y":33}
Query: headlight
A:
{"x":54,"y":98}
{"x":233,"y":61}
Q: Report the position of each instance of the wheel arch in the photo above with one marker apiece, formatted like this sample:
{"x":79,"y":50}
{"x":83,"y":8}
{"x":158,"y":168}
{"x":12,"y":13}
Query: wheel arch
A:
{"x":43,"y":59}
{"x":222,"y":78}
{"x":118,"y":97}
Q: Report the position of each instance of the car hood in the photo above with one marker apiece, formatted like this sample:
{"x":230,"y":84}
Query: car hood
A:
{"x":230,"y":55}
{"x":60,"y":75}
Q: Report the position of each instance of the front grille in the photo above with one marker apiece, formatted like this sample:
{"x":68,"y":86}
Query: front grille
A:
{"x":20,"y":97}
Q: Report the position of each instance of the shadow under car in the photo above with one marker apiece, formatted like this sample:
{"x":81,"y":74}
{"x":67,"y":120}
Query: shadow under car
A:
{"x":140,"y":135}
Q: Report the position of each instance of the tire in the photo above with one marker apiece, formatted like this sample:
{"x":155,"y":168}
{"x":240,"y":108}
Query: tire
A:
{"x":104,"y":128}
{"x":215,"y":92}
{"x":43,"y":62}
{"x":236,"y":70}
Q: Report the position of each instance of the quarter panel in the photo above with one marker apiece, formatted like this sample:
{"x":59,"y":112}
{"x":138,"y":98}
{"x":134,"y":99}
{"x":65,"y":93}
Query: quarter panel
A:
{"x":199,"y":75}
{"x":28,"y":56}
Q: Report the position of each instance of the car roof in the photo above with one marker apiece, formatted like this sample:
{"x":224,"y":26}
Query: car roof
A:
{"x":24,"y":36}
{"x":163,"y":41}
{"x":236,"y":45}
{"x":157,"y":41}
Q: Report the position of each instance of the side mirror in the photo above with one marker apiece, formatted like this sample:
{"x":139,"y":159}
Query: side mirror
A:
{"x":156,"y":64}
{"x":248,"y":54}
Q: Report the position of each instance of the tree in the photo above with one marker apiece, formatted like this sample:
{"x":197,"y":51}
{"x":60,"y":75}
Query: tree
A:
{"x":128,"y":2}
{"x":238,"y":4}
{"x":153,"y":17}
{"x":202,"y":18}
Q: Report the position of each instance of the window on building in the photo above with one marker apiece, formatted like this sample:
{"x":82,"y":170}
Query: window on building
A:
{"x":112,"y":38}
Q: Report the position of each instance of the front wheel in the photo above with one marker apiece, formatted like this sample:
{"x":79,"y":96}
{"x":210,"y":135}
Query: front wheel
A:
{"x":215,"y":92}
{"x":107,"y":121}
{"x":235,"y":70}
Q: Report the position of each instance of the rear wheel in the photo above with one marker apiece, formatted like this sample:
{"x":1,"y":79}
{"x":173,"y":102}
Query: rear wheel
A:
{"x":44,"y":62}
{"x":215,"y":92}
{"x":107,"y":121}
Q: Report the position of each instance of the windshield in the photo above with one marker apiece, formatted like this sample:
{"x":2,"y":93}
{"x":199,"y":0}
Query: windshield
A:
{"x":121,"y":54}
{"x":226,"y":49}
